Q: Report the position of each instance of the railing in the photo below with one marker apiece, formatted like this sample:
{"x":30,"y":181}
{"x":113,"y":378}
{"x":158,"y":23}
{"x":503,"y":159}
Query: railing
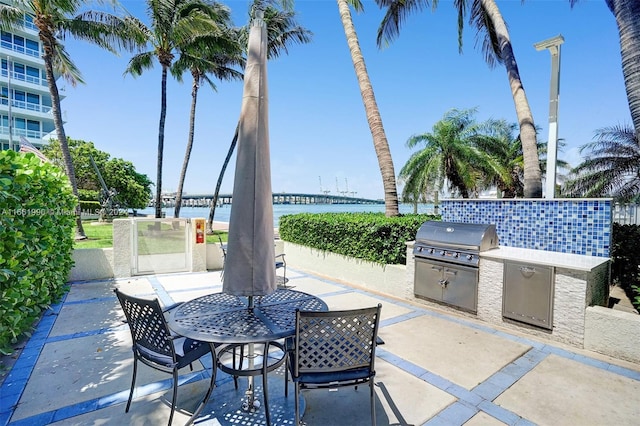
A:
{"x":626,"y":214}
{"x":26,"y":78}
{"x":27,"y":105}
{"x":20,"y":49}
{"x":29,"y":134}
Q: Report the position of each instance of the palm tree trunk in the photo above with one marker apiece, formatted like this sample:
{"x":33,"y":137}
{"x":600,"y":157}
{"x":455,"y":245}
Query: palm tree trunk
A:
{"x":214,"y":202}
{"x":187,"y":154}
{"x":163,"y":116}
{"x":626,"y":13}
{"x":373,"y":114}
{"x":57,"y":119}
{"x":532,"y":176}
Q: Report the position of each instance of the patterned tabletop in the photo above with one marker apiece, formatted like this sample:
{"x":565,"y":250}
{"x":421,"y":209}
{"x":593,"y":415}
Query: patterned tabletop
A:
{"x":224,"y":318}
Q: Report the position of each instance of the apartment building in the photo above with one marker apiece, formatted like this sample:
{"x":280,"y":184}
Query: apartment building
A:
{"x":25,"y":102}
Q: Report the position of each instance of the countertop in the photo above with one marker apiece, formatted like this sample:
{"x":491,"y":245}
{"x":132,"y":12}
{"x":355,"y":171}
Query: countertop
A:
{"x":546,"y":258}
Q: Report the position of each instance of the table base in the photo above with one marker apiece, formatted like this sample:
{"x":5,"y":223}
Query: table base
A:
{"x":224,"y":407}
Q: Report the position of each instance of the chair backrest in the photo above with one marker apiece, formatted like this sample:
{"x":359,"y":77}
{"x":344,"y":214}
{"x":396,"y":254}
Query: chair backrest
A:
{"x":223,"y":246}
{"x":335,"y":340}
{"x":149,"y":330}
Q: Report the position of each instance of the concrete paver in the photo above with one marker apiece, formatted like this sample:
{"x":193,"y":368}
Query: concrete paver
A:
{"x":561,"y":391}
{"x":435,"y":368}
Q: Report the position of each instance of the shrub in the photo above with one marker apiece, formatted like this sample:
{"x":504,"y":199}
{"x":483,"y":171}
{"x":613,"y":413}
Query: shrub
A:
{"x":368,"y":236}
{"x":90,"y":207}
{"x":625,"y":260}
{"x":37,"y":211}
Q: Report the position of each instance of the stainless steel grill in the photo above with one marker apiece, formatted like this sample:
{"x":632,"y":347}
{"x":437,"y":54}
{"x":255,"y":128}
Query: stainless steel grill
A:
{"x":447,"y":257}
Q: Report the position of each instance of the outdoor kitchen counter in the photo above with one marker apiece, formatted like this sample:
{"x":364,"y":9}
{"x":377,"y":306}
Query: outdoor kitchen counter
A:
{"x":578,"y":282}
{"x":576,"y":262}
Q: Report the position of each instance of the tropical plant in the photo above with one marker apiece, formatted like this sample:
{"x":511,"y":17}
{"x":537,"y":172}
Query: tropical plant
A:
{"x":499,"y":142}
{"x":174,"y":23}
{"x":374,"y":119}
{"x":282,"y":31}
{"x":214,"y":54}
{"x":133,"y":189}
{"x":485,"y":16}
{"x":612,"y":167}
{"x":626,"y":13}
{"x":450,"y":153}
{"x":55,"y":21}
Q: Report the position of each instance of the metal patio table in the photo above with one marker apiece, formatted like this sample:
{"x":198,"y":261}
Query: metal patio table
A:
{"x":221,"y":318}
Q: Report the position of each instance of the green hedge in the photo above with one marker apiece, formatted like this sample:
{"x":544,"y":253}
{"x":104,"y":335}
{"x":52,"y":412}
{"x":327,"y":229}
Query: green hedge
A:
{"x":36,"y":220}
{"x":90,"y":207}
{"x":368,"y":236}
{"x":625,"y":264}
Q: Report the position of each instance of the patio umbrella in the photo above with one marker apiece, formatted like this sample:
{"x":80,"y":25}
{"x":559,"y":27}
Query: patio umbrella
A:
{"x":250,"y":265}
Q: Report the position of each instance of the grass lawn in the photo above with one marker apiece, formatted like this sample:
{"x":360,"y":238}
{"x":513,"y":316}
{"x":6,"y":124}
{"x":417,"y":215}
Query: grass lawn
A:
{"x":100,"y":235}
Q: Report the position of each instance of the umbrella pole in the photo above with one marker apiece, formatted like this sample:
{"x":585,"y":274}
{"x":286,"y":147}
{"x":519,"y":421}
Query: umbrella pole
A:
{"x":250,"y":403}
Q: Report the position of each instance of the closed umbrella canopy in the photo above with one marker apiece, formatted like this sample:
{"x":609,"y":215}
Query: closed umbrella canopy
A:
{"x":250,"y":264}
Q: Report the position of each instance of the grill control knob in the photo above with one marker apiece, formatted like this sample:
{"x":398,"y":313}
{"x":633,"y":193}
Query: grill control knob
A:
{"x":419,"y":249}
{"x":456,"y":254}
{"x":469,"y":257}
{"x":442,"y":253}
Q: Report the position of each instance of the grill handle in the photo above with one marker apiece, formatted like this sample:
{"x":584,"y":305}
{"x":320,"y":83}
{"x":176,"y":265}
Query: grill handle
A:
{"x":443,"y":283}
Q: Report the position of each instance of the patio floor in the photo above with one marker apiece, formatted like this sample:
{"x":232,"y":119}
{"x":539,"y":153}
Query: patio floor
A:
{"x":435,"y":368}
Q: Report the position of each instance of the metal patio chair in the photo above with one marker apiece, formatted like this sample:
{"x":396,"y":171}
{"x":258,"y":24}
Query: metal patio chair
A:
{"x":156,"y":346}
{"x":334,"y":349}
{"x":280,"y":263}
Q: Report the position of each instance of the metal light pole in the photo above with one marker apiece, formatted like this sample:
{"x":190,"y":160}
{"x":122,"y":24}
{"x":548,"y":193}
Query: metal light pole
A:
{"x":9,"y":101}
{"x":553,"y":46}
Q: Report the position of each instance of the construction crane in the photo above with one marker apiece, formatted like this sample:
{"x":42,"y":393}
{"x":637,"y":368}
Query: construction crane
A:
{"x":324,"y":191}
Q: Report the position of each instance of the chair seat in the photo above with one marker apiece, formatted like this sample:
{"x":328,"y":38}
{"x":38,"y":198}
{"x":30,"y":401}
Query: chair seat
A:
{"x":336,"y":376}
{"x":187,"y":351}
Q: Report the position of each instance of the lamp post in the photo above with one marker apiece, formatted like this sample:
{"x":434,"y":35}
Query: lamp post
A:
{"x":9,"y":101}
{"x":553,"y":46}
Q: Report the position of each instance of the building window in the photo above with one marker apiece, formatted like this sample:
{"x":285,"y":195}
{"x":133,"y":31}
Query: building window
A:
{"x":18,"y":69}
{"x":33,"y":47}
{"x":33,"y":99}
{"x":33,"y":125}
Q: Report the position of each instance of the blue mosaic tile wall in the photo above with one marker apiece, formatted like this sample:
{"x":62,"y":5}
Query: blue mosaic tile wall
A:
{"x":580,"y":226}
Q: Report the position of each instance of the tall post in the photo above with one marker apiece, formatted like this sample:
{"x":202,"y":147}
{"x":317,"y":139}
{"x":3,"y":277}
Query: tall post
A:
{"x":553,"y":46}
{"x":9,"y":101}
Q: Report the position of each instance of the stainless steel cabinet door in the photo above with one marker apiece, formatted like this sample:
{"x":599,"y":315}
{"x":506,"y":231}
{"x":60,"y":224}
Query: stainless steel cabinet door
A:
{"x":528,"y":293}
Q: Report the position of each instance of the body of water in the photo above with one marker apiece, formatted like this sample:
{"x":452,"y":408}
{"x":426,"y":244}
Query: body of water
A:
{"x":222,"y":213}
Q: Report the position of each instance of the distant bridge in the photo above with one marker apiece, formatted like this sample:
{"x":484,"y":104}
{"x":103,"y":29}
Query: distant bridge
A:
{"x":205,"y":200}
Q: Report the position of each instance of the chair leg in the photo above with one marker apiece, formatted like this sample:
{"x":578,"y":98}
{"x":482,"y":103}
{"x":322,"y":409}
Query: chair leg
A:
{"x":212,"y":384}
{"x":286,"y":375}
{"x":297,"y":401}
{"x":133,"y":382}
{"x":265,"y":394}
{"x":373,"y":403}
{"x":175,"y":394}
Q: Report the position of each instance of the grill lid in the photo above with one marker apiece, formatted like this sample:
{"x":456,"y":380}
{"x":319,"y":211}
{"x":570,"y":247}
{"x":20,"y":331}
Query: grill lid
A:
{"x":461,"y":236}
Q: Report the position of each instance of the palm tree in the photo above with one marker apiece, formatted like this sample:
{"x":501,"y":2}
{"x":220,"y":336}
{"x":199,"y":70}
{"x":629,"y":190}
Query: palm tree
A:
{"x":450,"y":153}
{"x":174,"y":23}
{"x":215,"y":55}
{"x":374,"y":119}
{"x":612,"y":167}
{"x":282,"y":31}
{"x":56,"y":20}
{"x":499,"y":142}
{"x":626,"y":13}
{"x":496,"y":46}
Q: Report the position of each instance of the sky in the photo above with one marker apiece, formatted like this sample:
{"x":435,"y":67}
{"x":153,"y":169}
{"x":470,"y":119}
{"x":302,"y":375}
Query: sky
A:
{"x":319,"y":137}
